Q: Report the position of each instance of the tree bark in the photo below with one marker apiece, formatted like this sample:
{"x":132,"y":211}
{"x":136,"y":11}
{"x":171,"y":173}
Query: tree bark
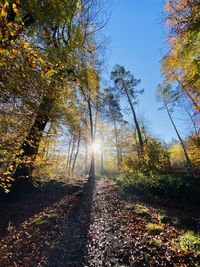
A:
{"x":68,"y":153}
{"x":135,"y":119}
{"x":102,"y":152}
{"x":92,"y":166}
{"x":86,"y":156}
{"x":71,"y":156}
{"x":30,"y":146}
{"x":77,"y":151}
{"x":117,"y":143}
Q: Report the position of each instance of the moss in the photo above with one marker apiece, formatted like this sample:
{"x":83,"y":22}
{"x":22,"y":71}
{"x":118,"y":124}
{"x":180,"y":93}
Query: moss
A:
{"x":40,"y":221}
{"x":163,"y":218}
{"x":157,"y":242}
{"x":154,"y":229}
{"x":141,"y":210}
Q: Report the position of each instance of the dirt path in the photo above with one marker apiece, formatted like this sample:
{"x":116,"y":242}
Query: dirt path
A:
{"x":94,"y":226}
{"x":119,"y":235}
{"x":102,"y":233}
{"x":88,"y":229}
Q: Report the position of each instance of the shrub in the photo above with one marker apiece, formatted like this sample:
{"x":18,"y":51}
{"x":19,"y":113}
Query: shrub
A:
{"x":189,"y":241}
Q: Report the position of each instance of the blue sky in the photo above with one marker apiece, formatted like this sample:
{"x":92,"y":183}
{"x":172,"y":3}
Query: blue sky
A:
{"x":136,"y":40}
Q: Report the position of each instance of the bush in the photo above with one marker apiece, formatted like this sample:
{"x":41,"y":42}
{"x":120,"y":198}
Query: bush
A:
{"x":189,"y":241}
{"x":171,"y":186}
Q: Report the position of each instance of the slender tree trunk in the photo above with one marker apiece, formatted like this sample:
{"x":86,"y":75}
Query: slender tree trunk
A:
{"x":92,"y":166}
{"x":95,"y":123}
{"x":102,"y":152}
{"x":68,"y":153}
{"x":179,"y":137}
{"x":77,"y":151}
{"x":144,"y":134}
{"x":116,"y":136}
{"x":86,"y":156}
{"x":136,"y":143}
{"x":46,"y":143}
{"x":71,"y":155}
{"x":121,"y":144}
{"x":117,"y":143}
{"x":135,"y":120}
{"x":31,"y":144}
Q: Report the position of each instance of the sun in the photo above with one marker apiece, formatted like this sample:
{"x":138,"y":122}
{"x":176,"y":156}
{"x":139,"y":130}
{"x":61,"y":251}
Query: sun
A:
{"x":96,"y":146}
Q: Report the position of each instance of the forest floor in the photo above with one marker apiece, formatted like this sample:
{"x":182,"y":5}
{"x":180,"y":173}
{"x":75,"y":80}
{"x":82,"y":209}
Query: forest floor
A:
{"x":93,"y":225}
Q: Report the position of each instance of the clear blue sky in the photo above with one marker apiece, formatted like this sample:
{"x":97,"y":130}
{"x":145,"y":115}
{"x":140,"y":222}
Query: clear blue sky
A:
{"x":137,"y":35}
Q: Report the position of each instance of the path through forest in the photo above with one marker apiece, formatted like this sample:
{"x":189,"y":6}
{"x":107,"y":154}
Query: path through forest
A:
{"x":93,"y":225}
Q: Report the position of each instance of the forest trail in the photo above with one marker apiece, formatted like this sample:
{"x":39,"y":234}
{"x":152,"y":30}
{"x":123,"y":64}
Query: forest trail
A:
{"x":94,"y":225}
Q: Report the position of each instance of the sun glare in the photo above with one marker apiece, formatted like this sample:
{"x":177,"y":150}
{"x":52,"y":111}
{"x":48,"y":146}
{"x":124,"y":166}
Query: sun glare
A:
{"x":96,"y":146}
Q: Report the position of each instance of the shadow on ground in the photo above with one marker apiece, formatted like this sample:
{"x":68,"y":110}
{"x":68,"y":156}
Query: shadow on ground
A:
{"x":14,"y":213}
{"x":179,"y":213}
{"x":70,"y":248}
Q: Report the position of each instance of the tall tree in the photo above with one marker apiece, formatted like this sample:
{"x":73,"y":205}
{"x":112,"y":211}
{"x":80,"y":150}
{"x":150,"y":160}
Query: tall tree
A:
{"x":64,"y":32}
{"x":164,"y":93}
{"x":90,"y":89}
{"x":126,"y":83}
{"x":115,"y":116}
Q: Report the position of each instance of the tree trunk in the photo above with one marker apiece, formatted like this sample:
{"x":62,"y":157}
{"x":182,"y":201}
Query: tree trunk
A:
{"x":86,"y":156}
{"x":179,"y":137}
{"x":30,"y":146}
{"x":135,"y":120}
{"x":71,"y":156}
{"x":46,"y":143}
{"x":117,"y":143}
{"x":102,"y":152}
{"x":121,"y":144}
{"x":77,"y":151}
{"x":68,"y":153}
{"x":136,"y":143}
{"x":92,"y":166}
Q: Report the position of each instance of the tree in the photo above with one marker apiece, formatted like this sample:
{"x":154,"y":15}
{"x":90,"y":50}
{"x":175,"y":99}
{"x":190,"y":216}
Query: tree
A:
{"x":23,"y":82}
{"x":64,"y":31}
{"x":164,"y":94}
{"x":114,"y":114}
{"x":126,"y":83}
{"x":181,"y":63}
{"x":90,"y":88}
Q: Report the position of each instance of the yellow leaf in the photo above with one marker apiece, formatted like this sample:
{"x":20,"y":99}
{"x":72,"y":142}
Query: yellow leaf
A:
{"x":15,"y":8}
{"x":50,"y":73}
{"x":4,"y":13}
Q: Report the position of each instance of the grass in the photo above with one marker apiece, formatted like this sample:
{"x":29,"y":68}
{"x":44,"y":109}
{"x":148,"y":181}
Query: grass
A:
{"x":141,"y":210}
{"x":40,"y":221}
{"x":189,"y":241}
{"x":157,"y":242}
{"x":154,"y":229}
{"x":163,"y":217}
